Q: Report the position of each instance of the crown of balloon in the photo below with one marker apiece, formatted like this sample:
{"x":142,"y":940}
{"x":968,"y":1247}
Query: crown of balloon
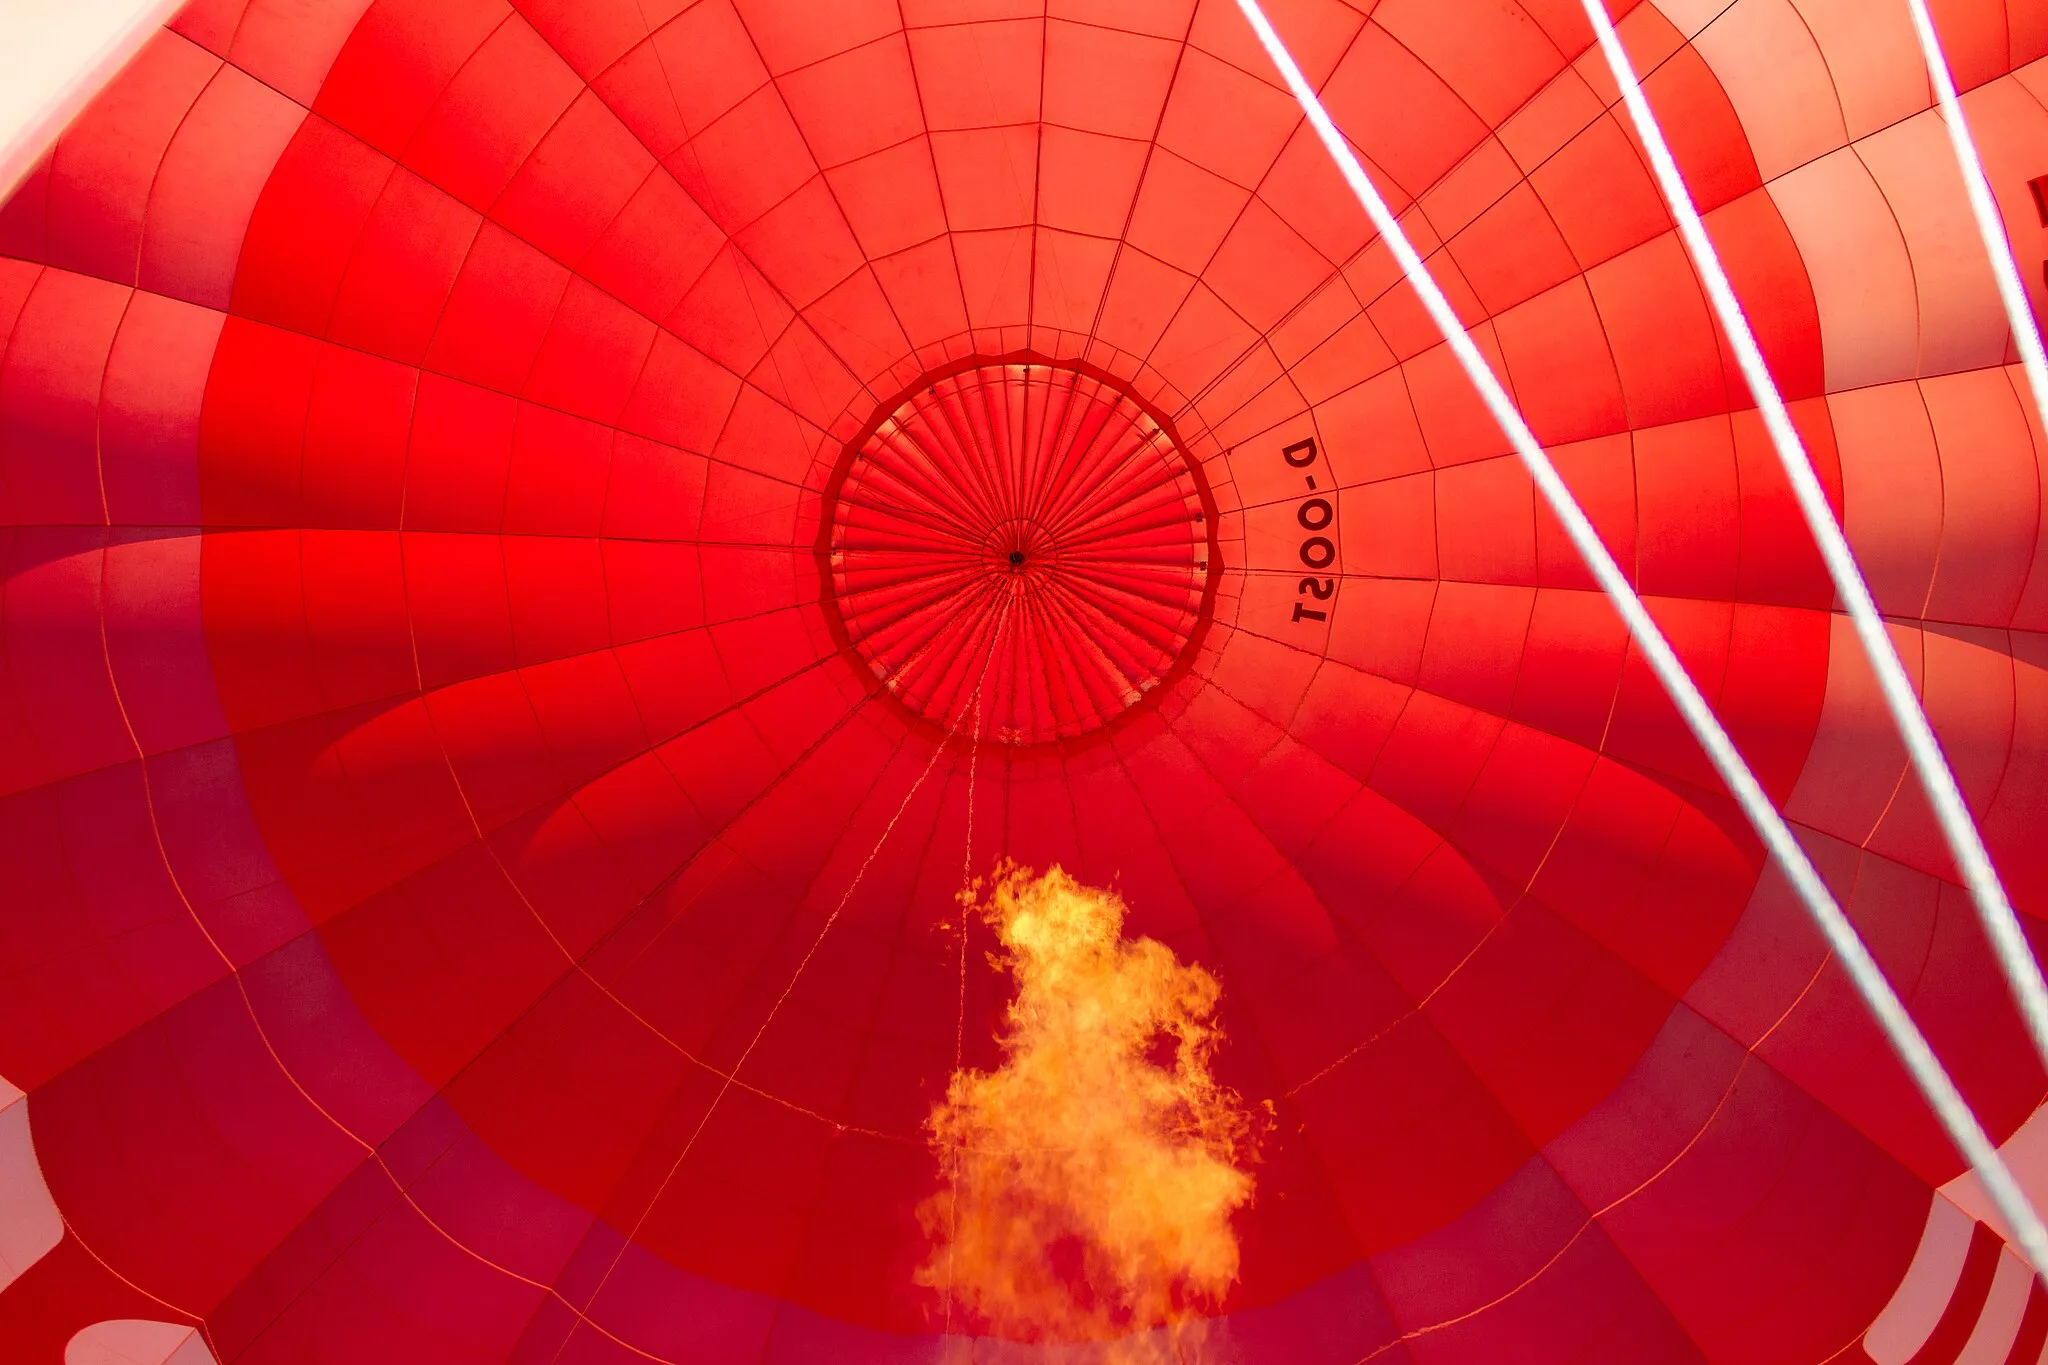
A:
{"x":1018,"y":550}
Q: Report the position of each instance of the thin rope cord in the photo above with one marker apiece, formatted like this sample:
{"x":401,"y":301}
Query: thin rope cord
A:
{"x":587,"y":1314}
{"x":1984,"y":208}
{"x":1841,"y":936}
{"x":960,"y":1014}
{"x":1937,"y":778}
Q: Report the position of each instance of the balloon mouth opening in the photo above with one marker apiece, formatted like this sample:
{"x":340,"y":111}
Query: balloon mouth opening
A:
{"x":1018,"y":550}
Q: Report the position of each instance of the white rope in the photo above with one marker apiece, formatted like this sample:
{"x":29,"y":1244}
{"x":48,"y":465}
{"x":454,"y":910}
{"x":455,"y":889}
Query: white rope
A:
{"x":1937,"y":778}
{"x":1984,"y":208}
{"x":1905,"y":1037}
{"x":2020,"y":965}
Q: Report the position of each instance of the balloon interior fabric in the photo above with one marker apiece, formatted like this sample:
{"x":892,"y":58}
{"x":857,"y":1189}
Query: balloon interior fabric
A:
{"x":544,"y":545}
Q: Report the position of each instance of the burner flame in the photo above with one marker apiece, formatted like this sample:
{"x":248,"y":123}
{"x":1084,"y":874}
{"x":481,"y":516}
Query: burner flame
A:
{"x":1091,"y":1179}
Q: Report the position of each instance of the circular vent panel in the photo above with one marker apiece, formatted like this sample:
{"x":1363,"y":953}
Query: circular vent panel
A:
{"x":1019,"y":551}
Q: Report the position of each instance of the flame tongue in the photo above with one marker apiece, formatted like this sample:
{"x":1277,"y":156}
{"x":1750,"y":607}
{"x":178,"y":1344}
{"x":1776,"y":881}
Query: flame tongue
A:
{"x":1092,"y":1177}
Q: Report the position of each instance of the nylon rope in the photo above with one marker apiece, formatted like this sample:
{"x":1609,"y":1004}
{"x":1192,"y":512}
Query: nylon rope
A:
{"x":587,"y":1314}
{"x":960,"y":1013}
{"x":1949,"y":1107}
{"x":1984,"y":208}
{"x":1937,"y":778}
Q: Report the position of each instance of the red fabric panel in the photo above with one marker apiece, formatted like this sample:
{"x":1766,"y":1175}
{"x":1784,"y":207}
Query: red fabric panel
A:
{"x":540,"y":544}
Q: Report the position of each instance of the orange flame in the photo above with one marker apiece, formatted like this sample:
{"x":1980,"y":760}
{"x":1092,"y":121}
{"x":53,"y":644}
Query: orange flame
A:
{"x":1091,"y":1178}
